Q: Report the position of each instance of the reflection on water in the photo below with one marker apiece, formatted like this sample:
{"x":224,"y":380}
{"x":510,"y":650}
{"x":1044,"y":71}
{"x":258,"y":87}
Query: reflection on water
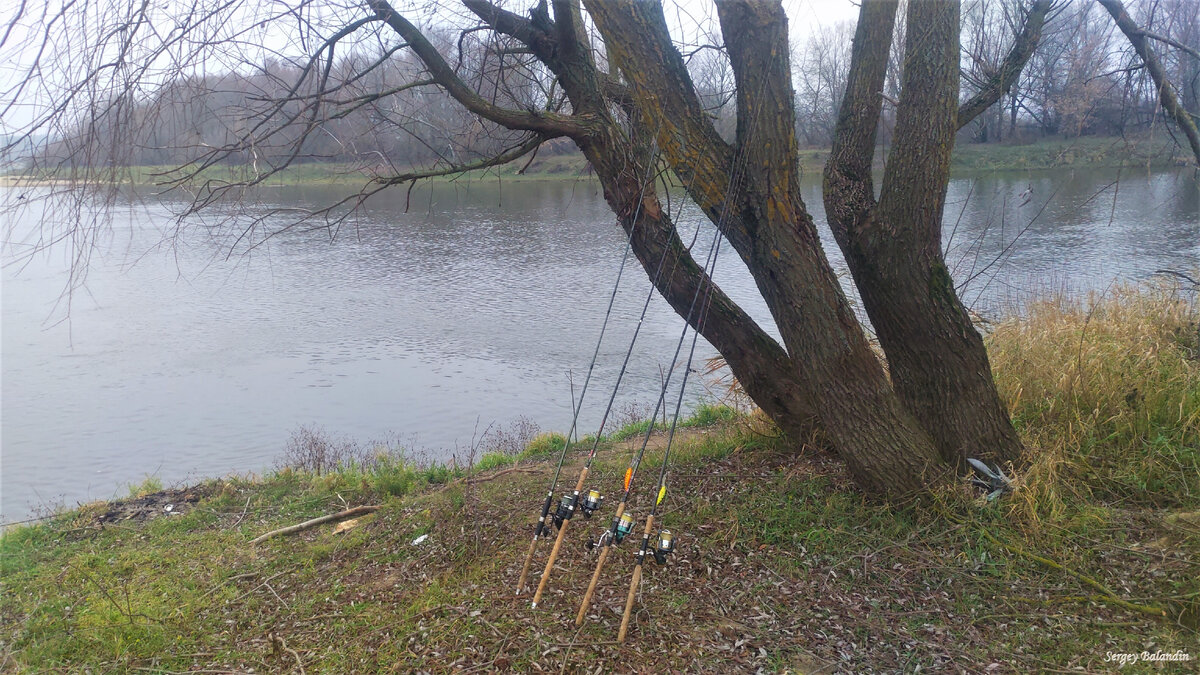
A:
{"x":471,"y":307}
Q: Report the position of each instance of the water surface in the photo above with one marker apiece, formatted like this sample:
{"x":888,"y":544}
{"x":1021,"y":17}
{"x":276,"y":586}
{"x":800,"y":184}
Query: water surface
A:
{"x":475,"y":305}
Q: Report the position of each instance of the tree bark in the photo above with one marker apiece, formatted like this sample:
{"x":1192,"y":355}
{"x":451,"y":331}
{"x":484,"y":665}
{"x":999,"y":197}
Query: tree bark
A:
{"x":620,"y":156}
{"x":942,"y":407}
{"x":758,"y":362}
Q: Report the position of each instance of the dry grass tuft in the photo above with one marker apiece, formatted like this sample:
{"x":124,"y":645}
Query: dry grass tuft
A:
{"x":1106,"y":392}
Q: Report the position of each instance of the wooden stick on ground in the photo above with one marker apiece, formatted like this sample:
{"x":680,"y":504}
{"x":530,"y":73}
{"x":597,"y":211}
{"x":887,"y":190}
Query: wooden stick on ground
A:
{"x":348,"y":513}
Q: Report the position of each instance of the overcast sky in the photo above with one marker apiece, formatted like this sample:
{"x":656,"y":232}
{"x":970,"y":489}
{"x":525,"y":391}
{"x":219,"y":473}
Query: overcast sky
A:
{"x":22,"y":42}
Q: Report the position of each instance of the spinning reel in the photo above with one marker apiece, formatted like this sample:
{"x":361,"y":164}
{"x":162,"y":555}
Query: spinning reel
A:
{"x":592,"y":503}
{"x":616,"y":533}
{"x":566,"y":507}
{"x":664,"y":545}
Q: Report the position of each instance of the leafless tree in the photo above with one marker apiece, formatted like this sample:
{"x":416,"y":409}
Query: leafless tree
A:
{"x":822,"y":70}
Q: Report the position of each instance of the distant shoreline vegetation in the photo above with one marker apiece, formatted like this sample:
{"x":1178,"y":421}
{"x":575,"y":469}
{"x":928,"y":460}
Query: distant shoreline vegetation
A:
{"x":1144,"y":152}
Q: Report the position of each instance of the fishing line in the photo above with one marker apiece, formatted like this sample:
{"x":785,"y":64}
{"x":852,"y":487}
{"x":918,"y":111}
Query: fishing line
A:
{"x":622,"y":523}
{"x":666,"y":542}
{"x":566,"y":508}
{"x":578,"y":408}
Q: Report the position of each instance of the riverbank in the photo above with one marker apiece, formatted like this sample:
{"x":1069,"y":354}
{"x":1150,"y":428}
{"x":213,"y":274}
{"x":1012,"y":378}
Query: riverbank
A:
{"x":1140,"y":152}
{"x":780,"y":565}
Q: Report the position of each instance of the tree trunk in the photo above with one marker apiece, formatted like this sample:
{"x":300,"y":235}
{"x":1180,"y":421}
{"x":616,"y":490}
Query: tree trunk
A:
{"x":937,"y":359}
{"x":943,"y":406}
{"x":758,"y":362}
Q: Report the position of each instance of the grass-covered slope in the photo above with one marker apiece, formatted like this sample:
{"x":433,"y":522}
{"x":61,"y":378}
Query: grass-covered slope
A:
{"x":781,"y":564}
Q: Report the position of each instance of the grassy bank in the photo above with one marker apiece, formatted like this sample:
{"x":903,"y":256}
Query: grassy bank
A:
{"x":781,"y":564}
{"x":1144,"y":152}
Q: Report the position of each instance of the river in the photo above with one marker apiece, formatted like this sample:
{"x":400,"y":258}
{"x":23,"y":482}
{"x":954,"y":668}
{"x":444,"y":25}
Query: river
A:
{"x":430,"y":316}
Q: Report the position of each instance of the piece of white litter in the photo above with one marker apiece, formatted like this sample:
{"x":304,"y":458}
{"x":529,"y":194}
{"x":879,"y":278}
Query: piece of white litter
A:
{"x":169,"y":508}
{"x":420,"y":539}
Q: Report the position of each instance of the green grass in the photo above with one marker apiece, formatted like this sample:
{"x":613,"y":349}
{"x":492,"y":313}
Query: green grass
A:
{"x":780,"y":564}
{"x":1086,"y":152}
{"x":710,"y":414}
{"x":147,"y":486}
{"x":556,"y":167}
{"x":544,"y":445}
{"x":705,"y":415}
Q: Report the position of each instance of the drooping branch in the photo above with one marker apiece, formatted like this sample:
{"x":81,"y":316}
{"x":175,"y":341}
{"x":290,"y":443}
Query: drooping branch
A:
{"x":1006,"y":76}
{"x":509,"y":155}
{"x":1166,"y":91}
{"x":548,"y":124}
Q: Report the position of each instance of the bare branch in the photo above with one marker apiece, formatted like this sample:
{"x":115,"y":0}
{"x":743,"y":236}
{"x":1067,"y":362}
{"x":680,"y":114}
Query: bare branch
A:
{"x":1003,"y":79}
{"x":550,"y":125}
{"x":505,"y":157}
{"x":1166,"y":91}
{"x":1174,"y":43}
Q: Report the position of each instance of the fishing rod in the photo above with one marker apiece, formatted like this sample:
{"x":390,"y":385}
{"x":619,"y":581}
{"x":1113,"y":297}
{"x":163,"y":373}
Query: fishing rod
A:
{"x":622,"y":523}
{"x":666,"y":540}
{"x":566,"y":507}
{"x":593,"y":500}
{"x":541,"y":527}
{"x":541,"y":524}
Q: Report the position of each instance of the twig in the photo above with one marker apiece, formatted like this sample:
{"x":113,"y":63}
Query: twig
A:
{"x":1108,"y":595}
{"x":1179,"y":275}
{"x":348,"y":513}
{"x":489,"y":477}
{"x":219,"y":584}
{"x":281,"y":601}
{"x":279,"y":644}
{"x":494,"y":476}
{"x":239,"y":518}
{"x":567,"y":653}
{"x":264,"y":583}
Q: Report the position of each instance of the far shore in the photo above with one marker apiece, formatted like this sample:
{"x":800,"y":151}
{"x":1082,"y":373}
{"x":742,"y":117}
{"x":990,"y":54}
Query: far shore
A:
{"x":968,"y":159}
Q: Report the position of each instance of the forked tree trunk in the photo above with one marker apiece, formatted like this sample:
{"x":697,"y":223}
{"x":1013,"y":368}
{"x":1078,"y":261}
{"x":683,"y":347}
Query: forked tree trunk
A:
{"x":894,"y":248}
{"x":760,"y":365}
{"x":768,"y":224}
